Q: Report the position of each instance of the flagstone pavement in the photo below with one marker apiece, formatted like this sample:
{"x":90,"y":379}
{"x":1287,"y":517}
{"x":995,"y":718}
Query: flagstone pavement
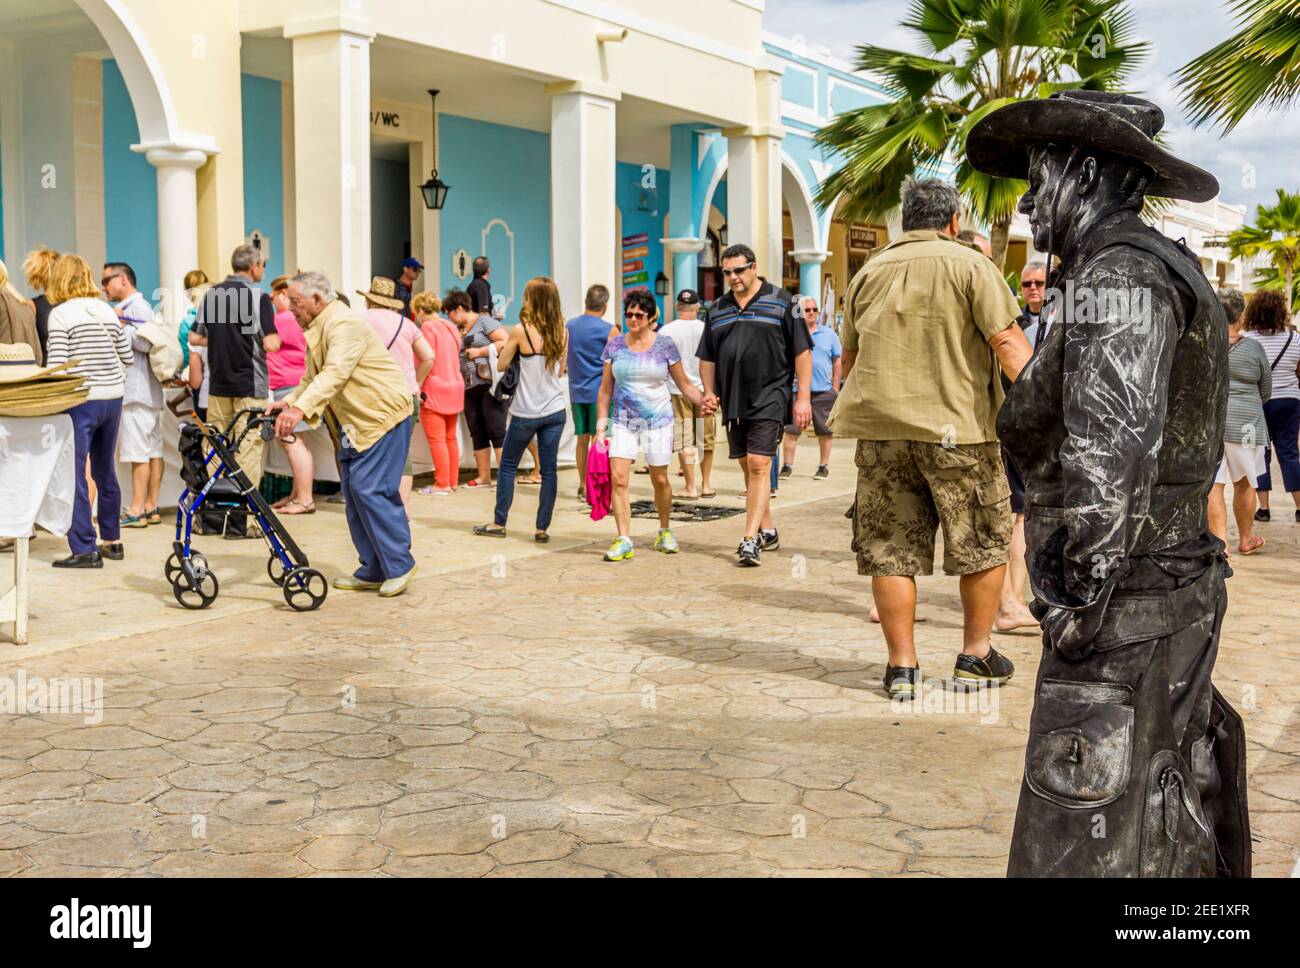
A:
{"x":529,"y":711}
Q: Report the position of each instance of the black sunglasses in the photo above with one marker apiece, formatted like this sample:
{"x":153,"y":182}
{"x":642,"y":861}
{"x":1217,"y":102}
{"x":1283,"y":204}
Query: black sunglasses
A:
{"x":738,"y":270}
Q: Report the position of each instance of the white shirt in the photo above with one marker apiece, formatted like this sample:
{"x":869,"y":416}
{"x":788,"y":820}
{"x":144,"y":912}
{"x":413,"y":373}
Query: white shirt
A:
{"x":686,"y":334}
{"x":1285,"y":383}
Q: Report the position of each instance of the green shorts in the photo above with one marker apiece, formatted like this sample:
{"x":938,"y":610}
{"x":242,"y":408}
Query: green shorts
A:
{"x":584,"y":419}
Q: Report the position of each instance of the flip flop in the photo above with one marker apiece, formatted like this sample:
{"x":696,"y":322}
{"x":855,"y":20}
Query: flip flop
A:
{"x":708,"y":494}
{"x":687,"y":497}
{"x":305,"y":508}
{"x":1253,"y":548}
{"x":489,"y":530}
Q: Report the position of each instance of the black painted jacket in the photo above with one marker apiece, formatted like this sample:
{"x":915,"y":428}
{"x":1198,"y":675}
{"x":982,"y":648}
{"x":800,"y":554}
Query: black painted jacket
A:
{"x":1117,"y":422}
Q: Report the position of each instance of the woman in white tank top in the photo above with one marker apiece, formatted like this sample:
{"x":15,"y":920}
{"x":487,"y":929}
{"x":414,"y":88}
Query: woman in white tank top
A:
{"x":540,"y":403}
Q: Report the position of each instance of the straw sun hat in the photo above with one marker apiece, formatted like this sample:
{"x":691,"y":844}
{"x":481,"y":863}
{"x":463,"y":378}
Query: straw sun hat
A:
{"x":383,"y":292}
{"x":28,"y":390}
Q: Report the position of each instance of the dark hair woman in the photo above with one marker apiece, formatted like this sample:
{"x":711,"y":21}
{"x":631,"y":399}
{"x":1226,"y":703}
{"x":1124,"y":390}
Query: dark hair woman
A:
{"x":1268,"y":321}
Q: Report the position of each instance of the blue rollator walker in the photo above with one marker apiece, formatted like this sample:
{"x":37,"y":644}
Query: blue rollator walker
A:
{"x":214,"y":481}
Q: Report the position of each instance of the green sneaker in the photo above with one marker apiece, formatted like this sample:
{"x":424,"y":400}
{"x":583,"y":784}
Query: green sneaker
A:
{"x":619,"y":550}
{"x":666,"y":542}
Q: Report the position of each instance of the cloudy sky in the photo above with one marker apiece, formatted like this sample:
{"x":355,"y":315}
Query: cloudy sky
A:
{"x":1265,"y":144}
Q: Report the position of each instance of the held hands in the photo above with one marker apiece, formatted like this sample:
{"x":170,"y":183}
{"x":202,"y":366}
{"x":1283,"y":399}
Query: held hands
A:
{"x":710,"y":403}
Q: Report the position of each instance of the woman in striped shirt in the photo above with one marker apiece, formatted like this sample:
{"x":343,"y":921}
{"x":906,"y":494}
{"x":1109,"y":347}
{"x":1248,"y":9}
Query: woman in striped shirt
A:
{"x":84,"y":329}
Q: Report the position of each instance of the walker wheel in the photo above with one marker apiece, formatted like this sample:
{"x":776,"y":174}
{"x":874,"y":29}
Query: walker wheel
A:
{"x":173,"y":566}
{"x":276,"y":570}
{"x":304,"y":589}
{"x":202,"y":594}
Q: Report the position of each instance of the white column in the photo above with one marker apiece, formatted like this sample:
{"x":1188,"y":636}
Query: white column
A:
{"x":754,"y":195}
{"x":331,"y":118}
{"x":178,"y":220}
{"x":583,"y":243}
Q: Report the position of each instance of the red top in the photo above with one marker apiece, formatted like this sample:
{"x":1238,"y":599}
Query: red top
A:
{"x":444,"y":387}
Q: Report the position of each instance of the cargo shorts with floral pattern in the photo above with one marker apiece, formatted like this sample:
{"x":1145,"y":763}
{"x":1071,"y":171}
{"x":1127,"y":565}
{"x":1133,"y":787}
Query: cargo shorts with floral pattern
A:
{"x":908,"y":490}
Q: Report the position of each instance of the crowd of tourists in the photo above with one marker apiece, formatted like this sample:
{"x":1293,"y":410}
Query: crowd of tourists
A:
{"x":920,"y":401}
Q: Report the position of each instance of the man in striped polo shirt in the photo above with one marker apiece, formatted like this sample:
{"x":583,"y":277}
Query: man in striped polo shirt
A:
{"x":752,"y":349}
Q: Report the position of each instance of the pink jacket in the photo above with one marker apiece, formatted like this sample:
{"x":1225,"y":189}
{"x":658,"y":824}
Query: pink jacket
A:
{"x":599,"y":489}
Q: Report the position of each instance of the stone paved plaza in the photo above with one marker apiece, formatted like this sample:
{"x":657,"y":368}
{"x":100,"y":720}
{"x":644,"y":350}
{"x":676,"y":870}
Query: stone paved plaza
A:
{"x":540,"y":712}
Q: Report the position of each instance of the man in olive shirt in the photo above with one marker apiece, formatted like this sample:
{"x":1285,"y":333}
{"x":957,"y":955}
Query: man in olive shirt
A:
{"x":933,"y":319}
{"x":352,"y":380}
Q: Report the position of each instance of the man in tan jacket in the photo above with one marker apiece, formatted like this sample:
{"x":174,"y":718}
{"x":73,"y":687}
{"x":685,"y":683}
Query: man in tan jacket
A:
{"x":353,"y":383}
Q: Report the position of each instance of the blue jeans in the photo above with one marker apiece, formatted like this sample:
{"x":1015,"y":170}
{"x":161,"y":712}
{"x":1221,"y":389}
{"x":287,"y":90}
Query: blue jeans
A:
{"x":548,"y":430}
{"x":1283,"y":419}
{"x":371,"y":481}
{"x":94,"y":432}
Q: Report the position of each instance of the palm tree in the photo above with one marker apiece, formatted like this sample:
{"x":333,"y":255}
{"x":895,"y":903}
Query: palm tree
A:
{"x":1000,"y":51}
{"x":1275,"y":234}
{"x":1257,"y":66}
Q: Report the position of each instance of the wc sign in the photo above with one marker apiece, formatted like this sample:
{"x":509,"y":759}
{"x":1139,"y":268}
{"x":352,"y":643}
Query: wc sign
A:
{"x":391,"y":120}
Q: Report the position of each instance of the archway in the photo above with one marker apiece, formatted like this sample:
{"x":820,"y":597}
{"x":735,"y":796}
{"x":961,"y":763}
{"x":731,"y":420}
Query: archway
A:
{"x":154,"y":111}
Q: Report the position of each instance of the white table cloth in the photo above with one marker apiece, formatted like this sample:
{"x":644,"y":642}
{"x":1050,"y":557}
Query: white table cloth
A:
{"x":37,"y":485}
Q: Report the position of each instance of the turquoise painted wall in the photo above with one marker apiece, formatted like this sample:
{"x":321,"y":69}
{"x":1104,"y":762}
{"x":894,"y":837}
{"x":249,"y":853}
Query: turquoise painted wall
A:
{"x":496,"y":172}
{"x":130,"y":188}
{"x":390,"y":203}
{"x":643,"y":213}
{"x":263,"y":168}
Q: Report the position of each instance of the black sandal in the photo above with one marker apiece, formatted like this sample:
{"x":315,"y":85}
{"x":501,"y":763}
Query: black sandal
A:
{"x":490,"y":530}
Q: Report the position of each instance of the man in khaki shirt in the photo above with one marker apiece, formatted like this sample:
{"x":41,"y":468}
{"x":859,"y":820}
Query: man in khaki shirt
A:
{"x":353,"y":382}
{"x":927,"y":322}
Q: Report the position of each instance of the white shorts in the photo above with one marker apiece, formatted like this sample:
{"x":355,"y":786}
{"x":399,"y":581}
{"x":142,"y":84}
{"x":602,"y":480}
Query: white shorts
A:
{"x":656,"y":443}
{"x":140,"y":435}
{"x":1240,"y":461}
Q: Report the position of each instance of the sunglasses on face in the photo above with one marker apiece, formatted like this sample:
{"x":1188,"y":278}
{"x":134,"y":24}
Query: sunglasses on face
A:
{"x":103,"y":283}
{"x":1031,"y":284}
{"x":738,"y":270}
{"x":637,"y":315}
{"x":810,"y":310}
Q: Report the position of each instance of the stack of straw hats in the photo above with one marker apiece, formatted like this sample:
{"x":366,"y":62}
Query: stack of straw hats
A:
{"x":28,"y":390}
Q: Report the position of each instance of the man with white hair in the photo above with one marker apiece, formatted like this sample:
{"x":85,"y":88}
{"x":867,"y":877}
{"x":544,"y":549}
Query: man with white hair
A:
{"x":826,"y":354}
{"x":354,"y":383}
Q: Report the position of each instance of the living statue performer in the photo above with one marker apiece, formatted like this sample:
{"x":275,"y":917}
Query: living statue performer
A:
{"x":1135,"y":765}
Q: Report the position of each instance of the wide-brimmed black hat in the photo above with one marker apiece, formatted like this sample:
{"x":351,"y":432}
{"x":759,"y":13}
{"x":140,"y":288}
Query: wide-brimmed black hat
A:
{"x":1117,"y":123}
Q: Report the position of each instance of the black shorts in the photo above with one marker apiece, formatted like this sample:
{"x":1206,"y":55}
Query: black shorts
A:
{"x":757,"y":437}
{"x":1017,"y":483}
{"x":486,"y":417}
{"x":821,"y":414}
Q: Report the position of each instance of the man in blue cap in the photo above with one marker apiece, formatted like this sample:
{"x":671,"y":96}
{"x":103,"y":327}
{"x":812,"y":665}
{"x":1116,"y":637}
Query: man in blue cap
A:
{"x":411,"y":269}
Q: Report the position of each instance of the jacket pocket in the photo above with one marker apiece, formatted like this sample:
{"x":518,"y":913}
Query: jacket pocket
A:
{"x":1170,"y":844}
{"x":993,"y":512}
{"x":1081,"y":748}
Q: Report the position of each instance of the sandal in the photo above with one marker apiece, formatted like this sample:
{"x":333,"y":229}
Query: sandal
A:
{"x":530,"y":480}
{"x":1257,"y":546}
{"x":704,"y":495}
{"x":302,"y":508}
{"x":541,"y":537}
{"x":490,"y":530}
{"x":133,"y":520}
{"x":478,"y":483}
{"x":153,"y":516}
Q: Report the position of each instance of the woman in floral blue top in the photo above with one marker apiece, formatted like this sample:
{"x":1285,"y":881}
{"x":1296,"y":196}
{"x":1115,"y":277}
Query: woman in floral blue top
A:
{"x":636,"y":407}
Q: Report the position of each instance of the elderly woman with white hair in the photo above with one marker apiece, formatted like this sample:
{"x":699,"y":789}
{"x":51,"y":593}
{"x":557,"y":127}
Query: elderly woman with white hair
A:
{"x":355,"y":384}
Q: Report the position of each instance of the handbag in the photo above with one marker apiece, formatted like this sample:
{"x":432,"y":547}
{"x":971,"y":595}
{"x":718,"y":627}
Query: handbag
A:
{"x":508,"y":385}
